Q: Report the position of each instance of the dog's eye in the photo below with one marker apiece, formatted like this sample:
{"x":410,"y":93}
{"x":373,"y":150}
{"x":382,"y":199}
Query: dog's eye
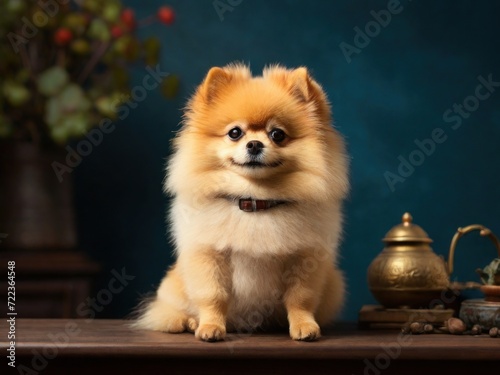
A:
{"x":235,"y":133}
{"x":277,"y":135}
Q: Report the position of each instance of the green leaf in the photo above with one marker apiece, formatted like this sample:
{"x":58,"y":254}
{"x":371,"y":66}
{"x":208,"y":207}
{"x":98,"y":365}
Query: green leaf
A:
{"x":15,"y":6}
{"x":75,"y":124}
{"x":6,"y":127}
{"x":127,"y":46}
{"x":92,"y":5}
{"x":80,"y":46}
{"x":73,"y":99}
{"x":107,"y":105}
{"x":69,"y":101}
{"x":120,"y":77}
{"x":170,"y":86}
{"x":53,"y":111}
{"x":133,"y":50}
{"x":15,"y":93}
{"x":99,"y":30}
{"x":59,"y":134}
{"x":152,"y":50}
{"x":52,"y":80}
{"x":70,"y":126}
{"x":75,"y":22}
{"x":490,"y":275}
{"x":111,"y":12}
{"x":121,"y":44}
{"x":23,"y":75}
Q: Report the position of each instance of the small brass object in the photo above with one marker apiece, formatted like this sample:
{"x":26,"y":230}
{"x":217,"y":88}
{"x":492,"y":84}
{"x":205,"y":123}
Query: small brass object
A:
{"x":408,"y":275}
{"x":407,"y":272}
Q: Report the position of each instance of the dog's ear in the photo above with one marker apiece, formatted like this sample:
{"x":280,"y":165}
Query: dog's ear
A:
{"x":215,"y":80}
{"x":300,"y":84}
{"x":297,"y":81}
{"x":218,"y":78}
{"x":304,"y":87}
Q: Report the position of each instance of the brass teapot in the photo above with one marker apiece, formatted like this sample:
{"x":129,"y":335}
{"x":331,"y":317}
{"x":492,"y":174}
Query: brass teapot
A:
{"x":407,"y":272}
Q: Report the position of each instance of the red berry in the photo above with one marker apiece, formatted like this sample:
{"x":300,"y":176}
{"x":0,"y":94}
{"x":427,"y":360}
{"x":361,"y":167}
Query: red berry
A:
{"x":63,"y":36}
{"x":128,"y":18}
{"x":166,"y":15}
{"x":117,"y":31}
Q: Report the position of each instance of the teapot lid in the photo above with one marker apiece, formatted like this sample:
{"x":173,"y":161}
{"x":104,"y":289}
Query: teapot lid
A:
{"x":407,"y":231}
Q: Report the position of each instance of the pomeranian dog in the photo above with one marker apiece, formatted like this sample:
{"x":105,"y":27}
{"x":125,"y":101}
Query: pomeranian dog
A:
{"x":258,"y":176}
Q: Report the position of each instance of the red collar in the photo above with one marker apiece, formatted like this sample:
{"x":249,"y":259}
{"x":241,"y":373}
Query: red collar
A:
{"x":253,"y":205}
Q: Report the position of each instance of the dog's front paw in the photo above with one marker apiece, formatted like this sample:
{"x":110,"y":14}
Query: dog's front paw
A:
{"x":210,"y":332}
{"x":178,"y":324}
{"x":305,"y":331}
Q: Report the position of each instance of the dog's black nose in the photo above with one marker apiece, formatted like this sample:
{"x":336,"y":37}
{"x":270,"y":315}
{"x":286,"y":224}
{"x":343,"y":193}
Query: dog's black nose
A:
{"x":255,"y":147}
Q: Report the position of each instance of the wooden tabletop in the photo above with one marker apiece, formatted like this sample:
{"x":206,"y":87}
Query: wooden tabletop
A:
{"x":115,"y":340}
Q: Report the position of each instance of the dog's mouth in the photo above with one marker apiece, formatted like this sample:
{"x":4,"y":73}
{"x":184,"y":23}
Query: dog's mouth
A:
{"x":257,"y":164}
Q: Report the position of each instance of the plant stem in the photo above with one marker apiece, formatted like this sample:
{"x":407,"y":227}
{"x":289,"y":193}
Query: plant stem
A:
{"x":32,"y":129}
{"x":146,"y":21}
{"x":26,"y":62}
{"x":61,"y":58}
{"x":93,"y":62}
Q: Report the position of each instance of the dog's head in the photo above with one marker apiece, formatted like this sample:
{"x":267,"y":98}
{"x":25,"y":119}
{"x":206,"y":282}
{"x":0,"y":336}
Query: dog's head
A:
{"x":272,"y":130}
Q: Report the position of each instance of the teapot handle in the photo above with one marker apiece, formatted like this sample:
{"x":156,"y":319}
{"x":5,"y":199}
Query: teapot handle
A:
{"x":483,"y":231}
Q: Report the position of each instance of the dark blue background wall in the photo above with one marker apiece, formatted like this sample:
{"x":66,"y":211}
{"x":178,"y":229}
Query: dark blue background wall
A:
{"x":395,"y":90}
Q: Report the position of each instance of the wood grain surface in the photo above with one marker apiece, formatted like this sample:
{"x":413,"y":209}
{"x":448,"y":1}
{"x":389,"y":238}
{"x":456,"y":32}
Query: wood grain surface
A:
{"x":111,"y":346}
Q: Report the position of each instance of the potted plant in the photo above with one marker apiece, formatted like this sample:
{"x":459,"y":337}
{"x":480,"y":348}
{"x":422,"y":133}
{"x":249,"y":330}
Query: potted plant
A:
{"x":63,"y":70}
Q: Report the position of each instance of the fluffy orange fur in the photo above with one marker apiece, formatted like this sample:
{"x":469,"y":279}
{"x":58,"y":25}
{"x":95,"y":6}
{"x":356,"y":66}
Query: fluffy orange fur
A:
{"x":236,"y":270}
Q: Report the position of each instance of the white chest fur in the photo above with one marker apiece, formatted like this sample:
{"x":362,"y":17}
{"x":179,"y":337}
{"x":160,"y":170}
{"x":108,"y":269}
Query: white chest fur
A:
{"x":257,"y":290}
